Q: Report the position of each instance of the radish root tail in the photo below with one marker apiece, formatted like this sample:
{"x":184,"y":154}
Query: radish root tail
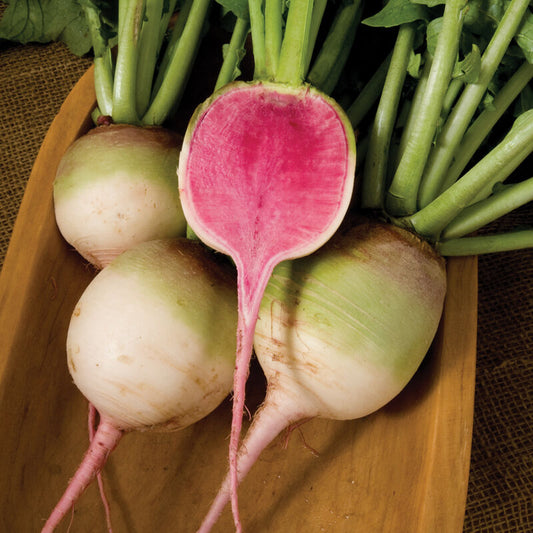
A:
{"x":104,"y":441}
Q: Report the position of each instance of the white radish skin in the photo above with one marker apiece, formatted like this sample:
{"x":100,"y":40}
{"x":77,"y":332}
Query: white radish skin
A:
{"x":151,"y":344}
{"x":116,"y":187}
{"x":148,"y":354}
{"x":340,"y":333}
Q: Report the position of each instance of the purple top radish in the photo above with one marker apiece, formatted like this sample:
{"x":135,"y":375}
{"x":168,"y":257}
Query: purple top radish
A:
{"x":266,"y":173}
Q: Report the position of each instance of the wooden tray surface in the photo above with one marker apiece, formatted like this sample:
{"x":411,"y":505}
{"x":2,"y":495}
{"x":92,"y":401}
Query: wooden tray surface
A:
{"x":405,"y":468}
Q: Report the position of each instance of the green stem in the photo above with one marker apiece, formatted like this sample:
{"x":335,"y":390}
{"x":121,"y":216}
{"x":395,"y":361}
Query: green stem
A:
{"x":165,"y":20}
{"x":483,"y":125}
{"x":103,"y":63}
{"x":493,"y":168}
{"x":452,"y":133}
{"x":332,"y":80}
{"x":452,"y":93}
{"x":369,"y":95}
{"x":170,"y":49}
{"x":273,"y":35}
{"x":336,"y":47}
{"x":319,"y":6}
{"x":507,"y":168}
{"x":503,"y":201}
{"x":412,"y":109}
{"x":122,"y":10}
{"x":375,"y":171}
{"x":487,"y":244}
{"x":173,"y":84}
{"x":233,"y":54}
{"x":103,"y":83}
{"x":125,"y":87}
{"x":148,"y":52}
{"x":257,"y":25}
{"x":294,"y":48}
{"x":403,"y":192}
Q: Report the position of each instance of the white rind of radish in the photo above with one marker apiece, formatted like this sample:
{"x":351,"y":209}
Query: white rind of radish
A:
{"x":116,"y":187}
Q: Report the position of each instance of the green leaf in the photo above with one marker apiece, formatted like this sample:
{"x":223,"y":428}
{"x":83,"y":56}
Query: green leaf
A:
{"x":413,"y":67}
{"x":432,"y":34}
{"x":398,"y":12}
{"x":482,"y":16}
{"x":43,"y":21}
{"x":238,"y":7}
{"x":469,"y":68}
{"x":429,"y":3}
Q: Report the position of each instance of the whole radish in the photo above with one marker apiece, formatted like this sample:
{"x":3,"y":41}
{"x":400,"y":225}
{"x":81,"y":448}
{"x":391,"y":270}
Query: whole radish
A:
{"x":151,"y":345}
{"x":116,"y":187}
{"x":341,"y":332}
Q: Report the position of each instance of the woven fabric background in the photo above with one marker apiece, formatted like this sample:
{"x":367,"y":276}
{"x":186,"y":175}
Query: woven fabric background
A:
{"x":36,"y":79}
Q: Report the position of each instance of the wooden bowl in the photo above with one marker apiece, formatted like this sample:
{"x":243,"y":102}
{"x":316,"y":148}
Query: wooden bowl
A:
{"x":405,"y":468}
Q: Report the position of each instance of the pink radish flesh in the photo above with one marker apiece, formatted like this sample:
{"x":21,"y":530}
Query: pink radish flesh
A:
{"x":266,"y":174}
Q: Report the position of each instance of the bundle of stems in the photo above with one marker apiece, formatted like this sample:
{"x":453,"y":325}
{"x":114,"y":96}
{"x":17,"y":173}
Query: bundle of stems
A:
{"x":432,"y":171}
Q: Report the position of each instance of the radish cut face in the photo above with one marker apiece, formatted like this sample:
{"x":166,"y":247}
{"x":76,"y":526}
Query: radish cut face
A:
{"x":265,"y":174}
{"x":266,"y":171}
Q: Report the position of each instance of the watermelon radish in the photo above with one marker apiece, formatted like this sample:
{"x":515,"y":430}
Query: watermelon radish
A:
{"x":340,"y":333}
{"x":266,"y":173}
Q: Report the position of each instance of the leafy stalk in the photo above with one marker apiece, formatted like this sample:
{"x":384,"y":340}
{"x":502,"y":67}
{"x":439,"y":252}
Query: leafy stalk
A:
{"x":103,"y":63}
{"x":257,"y":24}
{"x":454,"y":89}
{"x":487,"y":244}
{"x":483,"y":125}
{"x":493,"y":168}
{"x":148,"y":53}
{"x":403,"y":192}
{"x":175,"y":36}
{"x":233,"y":53}
{"x":452,"y":133}
{"x":373,"y":187}
{"x":273,"y":35}
{"x":319,"y":6}
{"x":168,"y":12}
{"x":179,"y":66}
{"x":334,"y":52}
{"x":413,"y":107}
{"x":125,"y":86}
{"x":294,"y":48}
{"x":369,"y":94}
{"x":504,"y":200}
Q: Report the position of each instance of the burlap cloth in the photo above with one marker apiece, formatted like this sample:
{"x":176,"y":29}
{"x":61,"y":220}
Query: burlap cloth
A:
{"x":34,"y":80}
